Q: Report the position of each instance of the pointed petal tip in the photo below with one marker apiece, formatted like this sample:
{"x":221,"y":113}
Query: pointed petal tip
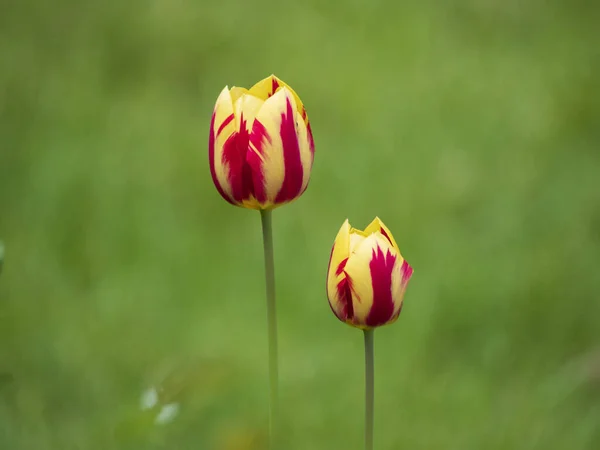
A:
{"x":224,"y":92}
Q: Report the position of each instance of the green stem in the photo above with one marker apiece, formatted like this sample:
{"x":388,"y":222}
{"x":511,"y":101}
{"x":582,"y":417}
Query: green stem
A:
{"x":1,"y":255}
{"x":267,"y":230}
{"x":369,"y":388}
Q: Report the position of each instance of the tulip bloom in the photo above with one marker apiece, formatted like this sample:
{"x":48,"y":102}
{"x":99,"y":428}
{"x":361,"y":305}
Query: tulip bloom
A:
{"x":367,"y":276}
{"x":261,"y":148}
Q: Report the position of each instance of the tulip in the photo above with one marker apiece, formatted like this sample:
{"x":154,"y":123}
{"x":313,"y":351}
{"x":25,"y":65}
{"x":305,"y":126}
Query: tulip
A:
{"x":367,"y":276}
{"x":261,"y":148}
{"x":366,"y":280}
{"x":261,"y":152}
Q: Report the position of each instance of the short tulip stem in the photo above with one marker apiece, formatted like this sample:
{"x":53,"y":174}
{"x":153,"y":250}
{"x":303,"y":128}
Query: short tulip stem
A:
{"x":272,"y":325}
{"x":369,"y":388}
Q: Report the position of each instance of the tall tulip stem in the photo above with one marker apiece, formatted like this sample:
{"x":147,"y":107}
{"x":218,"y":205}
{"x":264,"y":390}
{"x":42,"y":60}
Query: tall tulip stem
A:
{"x":369,"y":388}
{"x":267,"y":230}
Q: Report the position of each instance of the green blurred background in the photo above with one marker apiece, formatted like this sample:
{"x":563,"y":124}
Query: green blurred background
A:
{"x":470,"y":127}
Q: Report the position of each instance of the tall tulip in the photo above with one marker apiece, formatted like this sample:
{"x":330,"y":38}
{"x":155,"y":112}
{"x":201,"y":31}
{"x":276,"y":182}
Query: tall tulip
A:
{"x":261,"y":152}
{"x":366,"y":281}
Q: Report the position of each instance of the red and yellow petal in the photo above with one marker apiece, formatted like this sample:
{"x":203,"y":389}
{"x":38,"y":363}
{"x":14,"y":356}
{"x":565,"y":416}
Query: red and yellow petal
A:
{"x":222,"y":128}
{"x":276,"y":155}
{"x":307,"y":154}
{"x":400,"y":278}
{"x":371,"y":270}
{"x":269,"y":86}
{"x":377,"y":226}
{"x":245,"y":108}
{"x":383,"y":266}
{"x":266,"y":87}
{"x":235,"y":151}
{"x":338,"y":288}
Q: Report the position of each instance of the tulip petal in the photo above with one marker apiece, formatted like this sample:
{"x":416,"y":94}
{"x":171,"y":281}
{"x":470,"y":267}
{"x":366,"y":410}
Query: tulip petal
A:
{"x":311,"y":141}
{"x":356,"y":239}
{"x":222,"y":127}
{"x":383,"y":266}
{"x":370,"y":271}
{"x":235,"y":151}
{"x":237,"y":92}
{"x":406,"y":272}
{"x":246,"y":106}
{"x":377,"y":226}
{"x":276,"y":157}
{"x":269,"y":86}
{"x":337,"y":287}
{"x":266,"y":87}
{"x":293,"y":181}
{"x":400,"y":279}
{"x":307,"y":152}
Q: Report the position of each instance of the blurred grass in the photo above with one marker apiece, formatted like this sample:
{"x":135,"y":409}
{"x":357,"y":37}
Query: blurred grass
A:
{"x":470,"y":127}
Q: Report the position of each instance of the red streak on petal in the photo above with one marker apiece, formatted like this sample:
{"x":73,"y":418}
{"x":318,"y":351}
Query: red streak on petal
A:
{"x":311,"y":147}
{"x":235,"y":151}
{"x":405,"y":273}
{"x":406,"y":270}
{"x":344,"y":292}
{"x":311,"y":141}
{"x":212,"y":162}
{"x":226,"y":122}
{"x":292,"y":181}
{"x":386,"y":235}
{"x":274,"y":86}
{"x":340,"y":268}
{"x":259,"y":137}
{"x":381,"y":267}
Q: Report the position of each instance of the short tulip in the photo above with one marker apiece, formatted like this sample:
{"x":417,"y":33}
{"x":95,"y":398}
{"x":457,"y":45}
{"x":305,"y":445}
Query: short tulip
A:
{"x":261,"y":147}
{"x":367,"y":276}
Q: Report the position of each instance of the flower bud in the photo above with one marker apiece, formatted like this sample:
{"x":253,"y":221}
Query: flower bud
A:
{"x":261,"y":148}
{"x":367,"y":276}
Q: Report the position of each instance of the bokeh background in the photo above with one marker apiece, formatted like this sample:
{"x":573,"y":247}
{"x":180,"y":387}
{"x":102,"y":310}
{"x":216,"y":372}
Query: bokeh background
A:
{"x":470,"y":127}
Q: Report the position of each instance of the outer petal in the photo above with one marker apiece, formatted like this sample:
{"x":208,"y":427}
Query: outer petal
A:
{"x":235,"y":151}
{"x":383,"y":266}
{"x":276,"y":153}
{"x":340,"y":302}
{"x":377,"y":226}
{"x":311,"y":141}
{"x":370,"y":271}
{"x":402,"y":274}
{"x":307,"y":152}
{"x":222,"y":128}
